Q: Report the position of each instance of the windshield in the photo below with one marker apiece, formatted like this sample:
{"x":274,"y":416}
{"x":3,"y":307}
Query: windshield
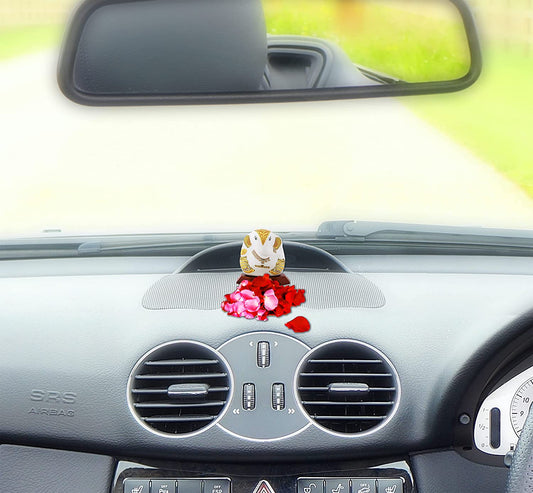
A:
{"x":456,"y":159}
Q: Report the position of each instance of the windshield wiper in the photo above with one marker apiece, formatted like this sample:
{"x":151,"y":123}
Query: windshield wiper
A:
{"x":184,"y":244}
{"x":376,"y":76}
{"x":385,"y":232}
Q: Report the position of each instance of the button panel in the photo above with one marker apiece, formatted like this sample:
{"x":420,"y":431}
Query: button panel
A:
{"x":390,"y":486}
{"x":163,"y":486}
{"x":136,"y":486}
{"x":364,"y":485}
{"x":266,"y":411}
{"x":351,"y":485}
{"x":338,"y":485}
{"x":217,"y":486}
{"x":188,"y":486}
{"x":310,"y":485}
{"x":177,"y":485}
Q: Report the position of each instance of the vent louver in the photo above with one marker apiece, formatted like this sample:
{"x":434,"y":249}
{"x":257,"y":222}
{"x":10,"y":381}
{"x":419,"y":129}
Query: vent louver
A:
{"x":348,"y":387}
{"x":179,"y":388}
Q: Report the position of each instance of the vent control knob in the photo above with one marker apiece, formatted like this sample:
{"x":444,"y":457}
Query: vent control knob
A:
{"x":263,"y":354}
{"x":278,"y":397}
{"x":248,"y":397}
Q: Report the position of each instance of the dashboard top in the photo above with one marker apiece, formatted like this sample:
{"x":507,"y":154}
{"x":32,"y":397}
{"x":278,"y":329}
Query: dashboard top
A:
{"x":78,"y":328}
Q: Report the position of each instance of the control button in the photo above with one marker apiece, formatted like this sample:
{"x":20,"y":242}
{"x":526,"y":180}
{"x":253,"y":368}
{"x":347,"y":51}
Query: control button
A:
{"x":337,"y":485}
{"x":390,"y":486}
{"x":278,"y":396}
{"x":189,"y":486}
{"x":495,"y":426}
{"x":137,"y":486}
{"x":364,"y":485}
{"x":263,"y":354}
{"x":310,"y":485}
{"x":248,"y":397}
{"x":163,"y":486}
{"x":217,"y":486}
{"x":264,"y":487}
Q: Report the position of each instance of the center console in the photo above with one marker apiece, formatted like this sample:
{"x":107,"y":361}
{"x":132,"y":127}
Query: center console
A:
{"x":207,"y":478}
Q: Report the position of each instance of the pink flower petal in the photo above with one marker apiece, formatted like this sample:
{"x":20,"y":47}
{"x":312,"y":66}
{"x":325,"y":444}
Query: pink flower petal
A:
{"x":271,"y":301}
{"x":239,"y":308}
{"x":235,"y":296}
{"x":247,"y":294}
{"x":252,"y":305}
{"x":227,"y":306}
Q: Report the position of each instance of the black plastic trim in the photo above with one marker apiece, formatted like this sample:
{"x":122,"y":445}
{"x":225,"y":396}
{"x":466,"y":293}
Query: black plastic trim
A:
{"x":245,"y":477}
{"x":80,"y":16}
{"x":300,"y":257}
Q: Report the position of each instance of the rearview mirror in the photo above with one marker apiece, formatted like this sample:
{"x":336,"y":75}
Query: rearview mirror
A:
{"x":145,"y":52}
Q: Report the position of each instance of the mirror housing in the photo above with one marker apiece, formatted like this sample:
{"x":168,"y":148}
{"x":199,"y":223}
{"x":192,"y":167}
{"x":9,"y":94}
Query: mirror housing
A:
{"x":172,"y":52}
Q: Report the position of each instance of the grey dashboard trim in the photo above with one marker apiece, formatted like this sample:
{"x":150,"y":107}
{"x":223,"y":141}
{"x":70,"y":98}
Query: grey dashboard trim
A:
{"x":29,"y":469}
{"x":85,"y":266}
{"x":443,"y":264}
{"x":447,"y":472}
{"x":84,"y":333}
{"x":264,"y":440}
{"x":426,"y":264}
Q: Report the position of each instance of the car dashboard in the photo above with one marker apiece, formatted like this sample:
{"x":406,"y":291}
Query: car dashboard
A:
{"x":123,"y":374}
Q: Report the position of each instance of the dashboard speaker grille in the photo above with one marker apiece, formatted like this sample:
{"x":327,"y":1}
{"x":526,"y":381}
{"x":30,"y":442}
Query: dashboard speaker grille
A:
{"x":202,"y":291}
{"x":347,"y":387}
{"x":179,"y":388}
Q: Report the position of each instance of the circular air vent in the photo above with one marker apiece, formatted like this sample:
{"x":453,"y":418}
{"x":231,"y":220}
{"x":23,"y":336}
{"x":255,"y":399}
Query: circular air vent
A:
{"x":348,"y":387}
{"x":179,"y":388}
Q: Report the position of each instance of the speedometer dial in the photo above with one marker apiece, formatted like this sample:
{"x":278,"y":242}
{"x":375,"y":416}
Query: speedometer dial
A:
{"x":520,"y":405}
{"x":503,"y":413}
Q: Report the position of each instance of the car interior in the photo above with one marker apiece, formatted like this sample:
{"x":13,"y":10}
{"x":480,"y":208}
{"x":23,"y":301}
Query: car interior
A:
{"x":120,"y":373}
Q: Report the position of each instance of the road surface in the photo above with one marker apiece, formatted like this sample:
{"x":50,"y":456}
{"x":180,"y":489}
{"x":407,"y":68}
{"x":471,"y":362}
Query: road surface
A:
{"x":281,"y":166}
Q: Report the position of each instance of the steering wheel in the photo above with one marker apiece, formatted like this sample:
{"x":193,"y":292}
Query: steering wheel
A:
{"x":521,"y":474}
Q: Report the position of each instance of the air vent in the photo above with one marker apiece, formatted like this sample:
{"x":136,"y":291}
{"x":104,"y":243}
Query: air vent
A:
{"x":179,"y":388}
{"x":348,"y":387}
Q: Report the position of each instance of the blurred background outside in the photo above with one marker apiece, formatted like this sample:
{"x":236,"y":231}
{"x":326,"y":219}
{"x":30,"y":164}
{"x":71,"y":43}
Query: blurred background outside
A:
{"x":492,"y":122}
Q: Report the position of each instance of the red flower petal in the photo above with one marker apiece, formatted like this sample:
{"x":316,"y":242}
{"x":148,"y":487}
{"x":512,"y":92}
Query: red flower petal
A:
{"x":260,"y":282}
{"x":299,"y":298}
{"x":299,"y":324}
{"x":253,"y":293}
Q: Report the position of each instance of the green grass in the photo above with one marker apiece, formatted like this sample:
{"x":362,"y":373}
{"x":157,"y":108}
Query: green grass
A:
{"x":16,"y":41}
{"x":494,"y":118}
{"x":413,"y":46}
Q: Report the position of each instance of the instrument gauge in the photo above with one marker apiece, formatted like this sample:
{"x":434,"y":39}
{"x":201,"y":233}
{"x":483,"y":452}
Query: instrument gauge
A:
{"x":521,"y":404}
